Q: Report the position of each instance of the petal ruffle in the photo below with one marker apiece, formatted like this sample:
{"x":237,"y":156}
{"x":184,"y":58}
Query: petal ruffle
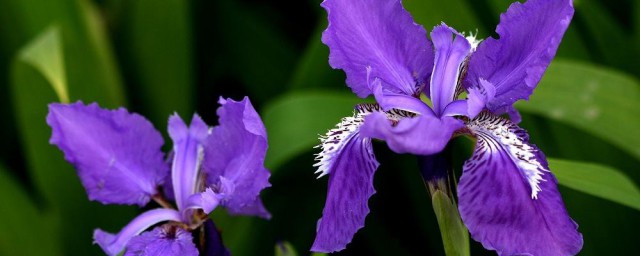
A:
{"x":529,"y":37}
{"x":236,"y":150}
{"x":113,"y":244}
{"x":452,"y":49}
{"x":420,"y":135}
{"x":117,"y":153}
{"x":377,"y":39}
{"x":187,"y":156}
{"x":349,"y":159}
{"x":508,"y":198}
{"x":166,"y":240}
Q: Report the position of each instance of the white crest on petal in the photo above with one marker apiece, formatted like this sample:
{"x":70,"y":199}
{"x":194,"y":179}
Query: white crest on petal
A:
{"x":500,"y":134}
{"x":473,"y":41}
{"x":335,"y":139}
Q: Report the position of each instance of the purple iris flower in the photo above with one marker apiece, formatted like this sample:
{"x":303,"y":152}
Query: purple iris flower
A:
{"x":508,"y":198}
{"x":119,"y":161}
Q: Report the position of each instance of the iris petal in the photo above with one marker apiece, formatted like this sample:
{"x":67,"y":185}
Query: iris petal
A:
{"x":348,"y":158}
{"x":529,"y":37}
{"x":377,"y":39}
{"x":117,"y":153}
{"x":235,"y":151}
{"x":113,"y":244}
{"x":166,"y":240}
{"x":508,"y":198}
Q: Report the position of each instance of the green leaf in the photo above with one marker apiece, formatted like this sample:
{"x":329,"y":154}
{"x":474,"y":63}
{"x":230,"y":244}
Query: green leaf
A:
{"x":32,"y":90}
{"x":155,"y":46}
{"x":23,"y":226}
{"x":597,"y":180}
{"x":454,"y":234}
{"x":285,"y":249}
{"x":294,"y":121}
{"x":45,"y":55}
{"x":599,"y":101}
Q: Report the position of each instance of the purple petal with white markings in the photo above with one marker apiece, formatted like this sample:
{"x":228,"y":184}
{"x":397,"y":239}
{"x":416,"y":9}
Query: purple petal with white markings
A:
{"x":166,"y":240}
{"x":529,"y":37}
{"x":377,"y":39}
{"x":235,"y":150}
{"x":117,"y":153}
{"x":508,"y":198}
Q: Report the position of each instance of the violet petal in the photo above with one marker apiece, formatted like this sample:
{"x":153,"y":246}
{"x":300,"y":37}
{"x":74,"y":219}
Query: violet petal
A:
{"x":377,"y":39}
{"x":529,"y":37}
{"x":236,"y":150}
{"x":113,"y":244}
{"x":117,"y":153}
{"x":187,"y":151}
{"x":508,"y":198}
{"x":161,"y":241}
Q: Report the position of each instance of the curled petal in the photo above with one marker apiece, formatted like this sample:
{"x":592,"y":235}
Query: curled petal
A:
{"x":187,"y":156}
{"x":420,"y":135}
{"x":377,"y":39}
{"x":349,"y":159}
{"x":235,"y":150}
{"x":452,"y":49}
{"x":166,"y":240}
{"x":508,"y":198}
{"x":117,"y":154}
{"x":529,"y":37}
{"x":113,"y":244}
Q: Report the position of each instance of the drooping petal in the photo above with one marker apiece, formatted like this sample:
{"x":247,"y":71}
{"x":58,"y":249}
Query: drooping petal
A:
{"x":419,"y":135}
{"x":389,"y":100}
{"x":508,"y":198}
{"x":529,"y":37}
{"x":113,"y":244}
{"x":380,"y":36}
{"x":187,"y":156}
{"x":117,"y":153}
{"x":166,"y":240}
{"x":348,"y":158}
{"x":451,"y":50}
{"x":236,"y":150}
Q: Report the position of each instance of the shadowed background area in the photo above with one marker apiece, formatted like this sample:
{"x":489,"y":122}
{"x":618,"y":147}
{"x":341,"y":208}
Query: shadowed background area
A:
{"x":157,"y":57}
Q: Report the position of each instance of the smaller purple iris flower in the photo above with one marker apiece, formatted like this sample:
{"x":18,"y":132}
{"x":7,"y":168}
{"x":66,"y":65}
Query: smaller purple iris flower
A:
{"x":119,"y":160}
{"x":507,"y":197}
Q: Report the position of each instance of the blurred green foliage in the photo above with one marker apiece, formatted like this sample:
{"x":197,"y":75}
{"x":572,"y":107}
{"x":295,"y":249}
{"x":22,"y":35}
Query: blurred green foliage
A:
{"x":157,"y":57}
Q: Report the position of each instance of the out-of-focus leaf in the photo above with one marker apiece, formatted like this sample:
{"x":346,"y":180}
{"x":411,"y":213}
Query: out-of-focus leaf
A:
{"x":295,"y":120}
{"x":597,"y":100}
{"x":23,"y":226}
{"x":45,"y":55}
{"x":597,"y":180}
{"x":253,"y":49}
{"x":454,"y":234}
{"x":32,"y":90}
{"x":156,"y":51}
{"x":455,"y":13}
{"x":285,"y":249}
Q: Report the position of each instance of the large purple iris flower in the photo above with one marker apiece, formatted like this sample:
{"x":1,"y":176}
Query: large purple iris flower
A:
{"x":119,"y":161}
{"x":508,"y":198}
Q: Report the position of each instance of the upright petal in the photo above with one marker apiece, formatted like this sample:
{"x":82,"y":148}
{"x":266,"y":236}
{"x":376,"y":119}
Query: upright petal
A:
{"x":508,"y":198}
{"x":165,"y":240}
{"x":235,"y":151}
{"x":187,"y":156}
{"x":381,"y":36}
{"x":419,"y":135}
{"x":452,"y":49}
{"x":113,"y":244}
{"x":529,"y":37}
{"x":117,"y":154}
{"x":349,"y":159}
